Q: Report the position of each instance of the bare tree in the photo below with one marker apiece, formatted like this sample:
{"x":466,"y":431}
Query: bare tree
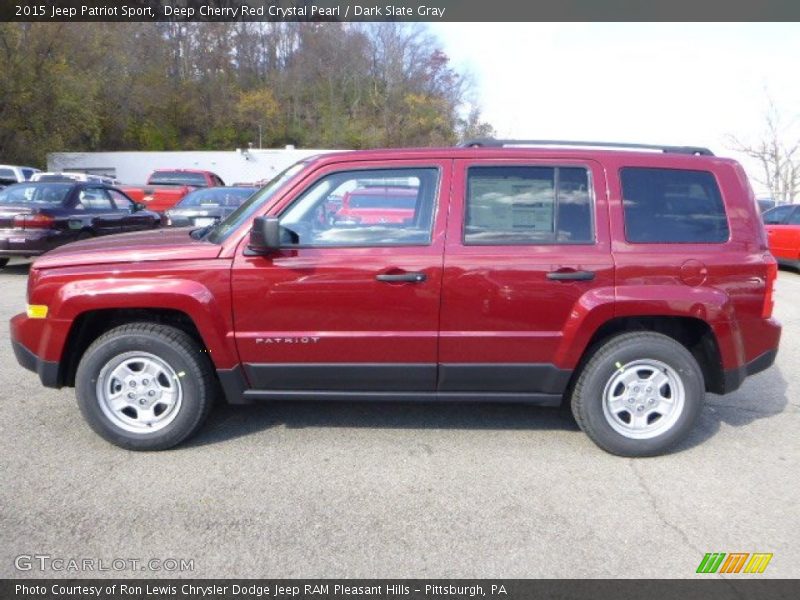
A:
{"x":778,"y":154}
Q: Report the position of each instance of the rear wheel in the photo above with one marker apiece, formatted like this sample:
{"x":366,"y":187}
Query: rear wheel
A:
{"x":639,"y":394}
{"x":3,"y":262}
{"x":144,"y":386}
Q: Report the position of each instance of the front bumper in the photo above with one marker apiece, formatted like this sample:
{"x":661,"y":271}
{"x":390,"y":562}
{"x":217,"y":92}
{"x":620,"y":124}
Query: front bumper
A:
{"x":23,"y":328}
{"x":47,"y":371}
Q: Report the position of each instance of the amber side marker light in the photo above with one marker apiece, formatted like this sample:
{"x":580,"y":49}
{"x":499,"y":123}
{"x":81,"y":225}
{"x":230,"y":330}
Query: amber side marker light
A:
{"x":37,"y":311}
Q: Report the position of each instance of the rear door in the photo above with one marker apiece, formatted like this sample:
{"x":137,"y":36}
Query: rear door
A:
{"x":346,"y":307}
{"x":130,"y":218}
{"x":527,"y":247}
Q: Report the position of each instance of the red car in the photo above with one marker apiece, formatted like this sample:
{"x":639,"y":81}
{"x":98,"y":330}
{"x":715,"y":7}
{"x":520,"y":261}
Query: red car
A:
{"x":783,"y":232}
{"x":627,"y":283}
{"x":377,"y":204}
{"x":166,"y":187}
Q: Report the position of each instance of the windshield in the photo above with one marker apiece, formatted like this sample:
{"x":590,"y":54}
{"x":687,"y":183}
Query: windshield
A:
{"x":48,"y":194}
{"x":177,"y":178}
{"x":217,"y":233}
{"x":221,"y":196}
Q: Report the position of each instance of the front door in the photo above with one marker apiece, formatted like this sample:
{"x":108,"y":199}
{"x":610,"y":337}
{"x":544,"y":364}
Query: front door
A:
{"x":105,"y":217}
{"x":348,"y":303}
{"x":527,"y":257}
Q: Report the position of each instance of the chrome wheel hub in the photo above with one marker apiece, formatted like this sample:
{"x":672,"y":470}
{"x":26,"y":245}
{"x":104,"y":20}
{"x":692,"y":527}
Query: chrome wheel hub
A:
{"x":643,"y":399}
{"x":139,"y":392}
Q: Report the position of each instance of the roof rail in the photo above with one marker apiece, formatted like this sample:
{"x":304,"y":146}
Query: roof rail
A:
{"x":495,"y":143}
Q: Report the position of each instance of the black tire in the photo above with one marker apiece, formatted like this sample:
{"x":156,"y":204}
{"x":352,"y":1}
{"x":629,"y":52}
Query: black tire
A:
{"x":607,"y":366}
{"x":178,"y":351}
{"x":3,"y":262}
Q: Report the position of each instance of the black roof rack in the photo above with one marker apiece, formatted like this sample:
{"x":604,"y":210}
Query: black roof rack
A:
{"x":495,"y":143}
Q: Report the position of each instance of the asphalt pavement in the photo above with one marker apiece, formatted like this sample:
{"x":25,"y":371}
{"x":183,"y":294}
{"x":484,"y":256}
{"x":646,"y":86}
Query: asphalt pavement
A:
{"x":397,"y":490}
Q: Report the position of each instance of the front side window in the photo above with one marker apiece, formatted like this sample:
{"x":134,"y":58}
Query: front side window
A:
{"x":672,"y":206}
{"x":95,"y":199}
{"x":528,"y":205}
{"x":379,"y":207}
{"x":794,"y":219}
{"x":121,"y":201}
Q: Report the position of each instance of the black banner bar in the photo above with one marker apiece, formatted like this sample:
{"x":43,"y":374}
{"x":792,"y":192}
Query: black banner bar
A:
{"x":739,"y":588}
{"x":398,"y":10}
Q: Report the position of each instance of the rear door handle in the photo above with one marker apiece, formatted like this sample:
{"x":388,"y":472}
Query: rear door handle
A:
{"x":402,"y":277}
{"x":571,"y":275}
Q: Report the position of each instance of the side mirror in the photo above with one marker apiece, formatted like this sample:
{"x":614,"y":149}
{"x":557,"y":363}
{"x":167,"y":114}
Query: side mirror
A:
{"x":265,"y":235}
{"x":137,"y":206}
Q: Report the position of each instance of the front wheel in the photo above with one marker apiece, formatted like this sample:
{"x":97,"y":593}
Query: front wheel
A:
{"x":3,"y":262}
{"x":639,"y":394}
{"x":144,"y":386}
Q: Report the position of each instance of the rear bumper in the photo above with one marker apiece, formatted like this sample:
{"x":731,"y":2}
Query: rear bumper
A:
{"x":47,"y":371}
{"x":27,"y":243}
{"x":735,"y":377}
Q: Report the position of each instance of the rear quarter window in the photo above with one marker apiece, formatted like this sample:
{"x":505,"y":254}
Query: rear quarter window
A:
{"x":672,"y":206}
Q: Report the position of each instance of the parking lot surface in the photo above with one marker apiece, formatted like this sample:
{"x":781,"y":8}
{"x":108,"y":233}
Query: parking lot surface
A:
{"x":401,"y":490}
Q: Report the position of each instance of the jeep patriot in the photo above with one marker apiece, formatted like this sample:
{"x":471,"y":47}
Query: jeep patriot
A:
{"x":624,"y":280}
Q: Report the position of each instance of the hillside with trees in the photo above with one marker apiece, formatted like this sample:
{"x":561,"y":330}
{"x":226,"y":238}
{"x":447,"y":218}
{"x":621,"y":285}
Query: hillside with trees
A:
{"x":195,"y":86}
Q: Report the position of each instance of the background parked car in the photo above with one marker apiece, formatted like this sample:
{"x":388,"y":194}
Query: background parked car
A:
{"x":67,"y":176}
{"x":376,"y":204}
{"x":205,"y":207}
{"x":783,"y":231}
{"x":765,"y":204}
{"x":13,"y":174}
{"x":38,"y":216}
{"x":166,"y":187}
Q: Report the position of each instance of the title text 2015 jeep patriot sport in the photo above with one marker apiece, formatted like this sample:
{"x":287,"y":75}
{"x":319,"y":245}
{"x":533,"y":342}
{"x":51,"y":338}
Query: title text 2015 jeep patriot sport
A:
{"x":628,"y":282}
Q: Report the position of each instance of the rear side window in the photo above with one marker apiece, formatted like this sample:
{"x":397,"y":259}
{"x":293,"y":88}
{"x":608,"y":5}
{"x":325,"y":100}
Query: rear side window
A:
{"x":178,"y":178}
{"x":528,"y":205}
{"x":672,"y":206}
{"x":778,"y":215}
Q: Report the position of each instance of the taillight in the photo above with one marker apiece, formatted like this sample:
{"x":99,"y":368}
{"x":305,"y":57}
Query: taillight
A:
{"x":34,"y":221}
{"x":769,"y":302}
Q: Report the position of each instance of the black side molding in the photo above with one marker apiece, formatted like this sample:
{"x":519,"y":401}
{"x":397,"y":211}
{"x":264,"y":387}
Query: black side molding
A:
{"x":314,"y":395}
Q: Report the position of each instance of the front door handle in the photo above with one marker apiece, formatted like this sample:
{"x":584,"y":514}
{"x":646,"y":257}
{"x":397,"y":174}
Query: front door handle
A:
{"x":571,"y":275}
{"x":402,"y":277}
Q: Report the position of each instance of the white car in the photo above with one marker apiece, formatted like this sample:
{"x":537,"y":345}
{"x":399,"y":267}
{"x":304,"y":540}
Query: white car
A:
{"x":66,"y":176}
{"x":13,"y":174}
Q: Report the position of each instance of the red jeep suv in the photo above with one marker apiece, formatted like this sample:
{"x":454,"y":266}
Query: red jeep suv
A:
{"x":625,"y":280}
